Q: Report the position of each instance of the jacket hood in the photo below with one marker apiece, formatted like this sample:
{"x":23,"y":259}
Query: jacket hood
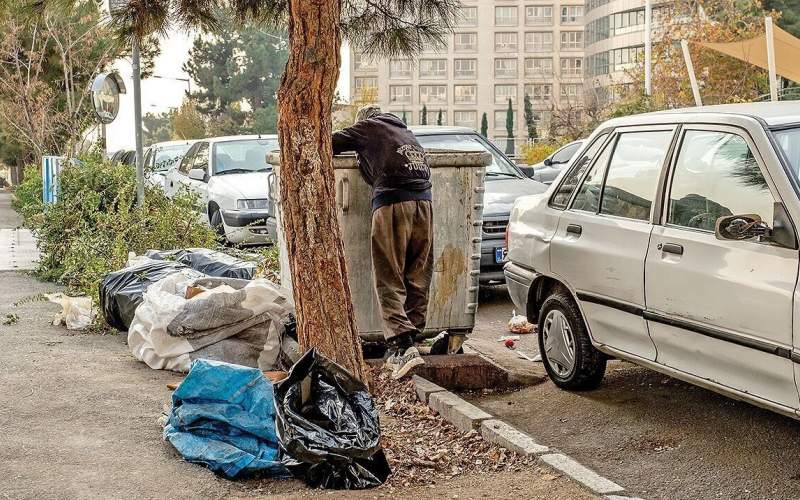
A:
{"x":250,"y":185}
{"x":391,"y":119}
{"x":500,"y":194}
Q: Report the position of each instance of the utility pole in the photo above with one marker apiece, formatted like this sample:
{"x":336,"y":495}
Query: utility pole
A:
{"x":648,"y":47}
{"x":773,"y":79}
{"x":137,"y":116}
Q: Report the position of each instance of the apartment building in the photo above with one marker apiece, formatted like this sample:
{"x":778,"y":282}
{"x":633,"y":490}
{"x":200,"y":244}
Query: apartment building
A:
{"x":501,"y":50}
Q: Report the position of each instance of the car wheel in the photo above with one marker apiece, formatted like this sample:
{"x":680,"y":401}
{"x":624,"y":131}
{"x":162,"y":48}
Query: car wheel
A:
{"x":569,"y":357}
{"x":218,"y":226}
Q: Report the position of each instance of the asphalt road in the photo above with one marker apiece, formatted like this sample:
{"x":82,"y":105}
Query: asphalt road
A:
{"x":656,"y":436}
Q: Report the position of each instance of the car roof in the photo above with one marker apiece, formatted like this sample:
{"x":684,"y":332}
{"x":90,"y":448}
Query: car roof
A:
{"x":439,"y":129}
{"x":165,"y":144}
{"x":775,"y":114}
{"x":240,"y":137}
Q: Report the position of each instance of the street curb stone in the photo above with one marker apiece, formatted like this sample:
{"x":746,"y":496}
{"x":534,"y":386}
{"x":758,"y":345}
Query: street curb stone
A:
{"x":424,"y":388}
{"x":618,"y":497}
{"x":500,"y":433}
{"x":578,"y":472}
{"x":463,"y":415}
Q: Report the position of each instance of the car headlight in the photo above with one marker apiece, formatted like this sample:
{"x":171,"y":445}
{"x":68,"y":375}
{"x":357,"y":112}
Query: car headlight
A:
{"x":252,"y":204}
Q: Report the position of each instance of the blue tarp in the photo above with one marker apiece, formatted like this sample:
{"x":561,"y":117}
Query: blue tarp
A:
{"x":223,"y":417}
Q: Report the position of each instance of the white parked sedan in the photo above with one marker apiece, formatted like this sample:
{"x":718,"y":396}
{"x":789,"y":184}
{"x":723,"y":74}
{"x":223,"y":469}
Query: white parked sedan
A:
{"x":671,"y":242}
{"x":229,"y":176}
{"x":161,"y":157}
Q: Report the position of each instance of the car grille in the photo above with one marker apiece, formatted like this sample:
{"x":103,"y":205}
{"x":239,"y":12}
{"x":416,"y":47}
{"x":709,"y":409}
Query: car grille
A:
{"x":494,"y":227}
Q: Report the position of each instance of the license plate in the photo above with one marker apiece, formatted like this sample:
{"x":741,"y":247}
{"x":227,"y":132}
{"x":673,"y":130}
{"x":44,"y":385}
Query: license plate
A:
{"x":500,"y":254}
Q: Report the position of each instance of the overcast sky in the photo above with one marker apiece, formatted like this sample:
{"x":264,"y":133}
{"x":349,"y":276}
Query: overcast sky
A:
{"x":161,"y":94}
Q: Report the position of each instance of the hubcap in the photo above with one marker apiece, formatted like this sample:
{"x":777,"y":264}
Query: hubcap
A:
{"x":559,"y":344}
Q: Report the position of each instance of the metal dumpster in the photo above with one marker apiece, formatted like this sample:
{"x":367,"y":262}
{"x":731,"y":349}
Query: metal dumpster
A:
{"x":458,"y":179}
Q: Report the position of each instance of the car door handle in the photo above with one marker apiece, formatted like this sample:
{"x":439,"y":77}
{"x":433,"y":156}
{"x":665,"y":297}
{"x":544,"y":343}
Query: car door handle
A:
{"x":671,"y":248}
{"x":574,"y":229}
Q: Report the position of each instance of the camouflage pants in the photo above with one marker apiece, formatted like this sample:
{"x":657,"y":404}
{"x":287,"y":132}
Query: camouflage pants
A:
{"x":402,"y":260}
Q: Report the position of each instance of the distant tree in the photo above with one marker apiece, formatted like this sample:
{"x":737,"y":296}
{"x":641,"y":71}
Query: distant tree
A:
{"x":510,"y":128}
{"x":404,"y":117}
{"x":157,"y":127}
{"x":530,"y":118}
{"x":187,"y":122}
{"x":485,"y":126}
{"x":423,"y":118}
{"x":439,"y":118}
{"x":790,"y":14}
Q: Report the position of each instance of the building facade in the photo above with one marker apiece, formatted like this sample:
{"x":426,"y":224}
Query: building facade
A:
{"x":501,"y":50}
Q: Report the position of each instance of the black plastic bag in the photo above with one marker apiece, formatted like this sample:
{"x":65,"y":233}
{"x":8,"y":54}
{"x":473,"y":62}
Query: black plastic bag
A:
{"x":121,"y":291}
{"x":210,"y":262}
{"x":326,"y":420}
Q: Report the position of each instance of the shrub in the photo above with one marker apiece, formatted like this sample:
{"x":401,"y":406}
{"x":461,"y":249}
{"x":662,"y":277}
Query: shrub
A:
{"x":536,"y":152}
{"x":89,"y":231}
{"x":28,"y":194}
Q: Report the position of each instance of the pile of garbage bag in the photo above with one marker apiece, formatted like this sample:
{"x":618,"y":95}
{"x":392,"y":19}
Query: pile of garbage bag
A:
{"x":208,"y":262}
{"x":319,"y":424}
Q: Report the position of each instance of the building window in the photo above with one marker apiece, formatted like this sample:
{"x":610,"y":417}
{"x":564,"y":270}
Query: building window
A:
{"x":539,"y":92}
{"x":432,"y":46}
{"x":433,"y":117}
{"x":571,"y":40}
{"x":539,"y":15}
{"x":505,"y":42}
{"x":465,"y":94}
{"x":465,"y":68}
{"x":363,"y":83}
{"x":538,"y":67}
{"x":433,"y":68}
{"x":539,"y":41}
{"x":362,"y":63}
{"x":505,"y":16}
{"x":625,"y":58}
{"x":465,"y":119}
{"x":432,"y":94}
{"x":500,"y":117}
{"x":465,"y":42}
{"x":505,"y":68}
{"x":400,"y":94}
{"x":571,"y":67}
{"x":467,"y":16}
{"x":502,"y":93}
{"x":572,"y":91}
{"x":571,"y":14}
{"x":400,"y":68}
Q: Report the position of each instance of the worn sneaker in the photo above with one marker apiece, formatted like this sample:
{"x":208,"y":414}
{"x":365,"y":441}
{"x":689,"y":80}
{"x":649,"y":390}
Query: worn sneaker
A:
{"x":402,"y":364}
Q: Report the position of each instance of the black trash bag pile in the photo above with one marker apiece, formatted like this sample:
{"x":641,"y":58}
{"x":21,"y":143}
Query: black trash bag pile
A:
{"x":209,"y":262}
{"x":327,"y":422}
{"x":121,"y":291}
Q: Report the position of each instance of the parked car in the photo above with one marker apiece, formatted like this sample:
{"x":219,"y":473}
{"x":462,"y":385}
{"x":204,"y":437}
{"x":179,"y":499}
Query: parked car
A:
{"x":548,"y":169}
{"x":671,"y":242}
{"x":229,"y":176}
{"x":124,"y":156}
{"x":160,"y":157}
{"x":504,"y":184}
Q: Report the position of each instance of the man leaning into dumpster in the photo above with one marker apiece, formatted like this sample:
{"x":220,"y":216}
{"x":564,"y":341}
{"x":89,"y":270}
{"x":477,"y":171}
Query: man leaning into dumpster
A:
{"x":393,"y":163}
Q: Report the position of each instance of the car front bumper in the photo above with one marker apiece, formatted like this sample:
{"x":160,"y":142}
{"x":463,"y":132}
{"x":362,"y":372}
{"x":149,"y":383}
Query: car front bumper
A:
{"x":249,"y":227}
{"x":519,"y":280}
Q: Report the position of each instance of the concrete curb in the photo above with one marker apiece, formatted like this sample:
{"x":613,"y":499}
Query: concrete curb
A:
{"x":466,"y":416}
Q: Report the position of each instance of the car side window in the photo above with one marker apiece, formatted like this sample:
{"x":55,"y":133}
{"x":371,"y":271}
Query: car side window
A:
{"x":201,"y":157}
{"x":588,"y":197}
{"x":633,"y":174}
{"x":148,"y":158}
{"x":188,"y":160}
{"x":563,"y":155}
{"x":716,"y":175}
{"x":570,"y":181}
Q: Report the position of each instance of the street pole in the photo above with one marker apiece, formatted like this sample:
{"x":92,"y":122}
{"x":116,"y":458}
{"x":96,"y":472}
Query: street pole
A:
{"x":137,"y":116}
{"x":773,"y":79}
{"x":648,"y":48}
{"x":687,"y":57}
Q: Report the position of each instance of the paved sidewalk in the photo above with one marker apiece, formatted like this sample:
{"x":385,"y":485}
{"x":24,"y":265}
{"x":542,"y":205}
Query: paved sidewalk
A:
{"x":17,"y":245}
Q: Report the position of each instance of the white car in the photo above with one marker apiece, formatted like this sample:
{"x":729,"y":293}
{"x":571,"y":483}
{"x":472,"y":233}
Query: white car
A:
{"x":229,"y":175}
{"x":671,"y":242}
{"x":160,"y":157}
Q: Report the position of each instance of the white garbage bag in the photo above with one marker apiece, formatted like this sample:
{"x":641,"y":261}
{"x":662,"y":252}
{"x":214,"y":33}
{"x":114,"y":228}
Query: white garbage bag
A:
{"x":76,"y":313}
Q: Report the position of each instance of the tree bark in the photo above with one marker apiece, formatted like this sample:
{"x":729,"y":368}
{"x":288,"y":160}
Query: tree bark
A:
{"x":325,"y":318}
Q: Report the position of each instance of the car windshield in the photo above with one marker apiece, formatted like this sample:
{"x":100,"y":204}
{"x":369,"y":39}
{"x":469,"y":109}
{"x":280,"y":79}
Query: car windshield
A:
{"x":246,"y":155}
{"x":500,"y":167}
{"x":789,"y":140}
{"x":169,"y":156}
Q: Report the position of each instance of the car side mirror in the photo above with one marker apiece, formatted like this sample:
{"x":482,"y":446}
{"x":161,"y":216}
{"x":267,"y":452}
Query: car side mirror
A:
{"x":527,"y":170}
{"x":741,"y":227}
{"x":197,"y":174}
{"x":548,"y":162}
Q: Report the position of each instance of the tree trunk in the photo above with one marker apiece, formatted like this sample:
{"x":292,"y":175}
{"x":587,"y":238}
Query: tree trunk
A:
{"x":325,"y":318}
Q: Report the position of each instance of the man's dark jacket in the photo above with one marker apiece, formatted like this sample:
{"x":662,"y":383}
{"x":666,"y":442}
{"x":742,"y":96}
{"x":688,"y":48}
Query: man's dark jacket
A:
{"x":389,"y":157}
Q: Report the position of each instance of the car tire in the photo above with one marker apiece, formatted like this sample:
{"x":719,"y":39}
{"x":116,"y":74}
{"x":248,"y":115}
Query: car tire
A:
{"x":570,"y":359}
{"x":218,"y":226}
